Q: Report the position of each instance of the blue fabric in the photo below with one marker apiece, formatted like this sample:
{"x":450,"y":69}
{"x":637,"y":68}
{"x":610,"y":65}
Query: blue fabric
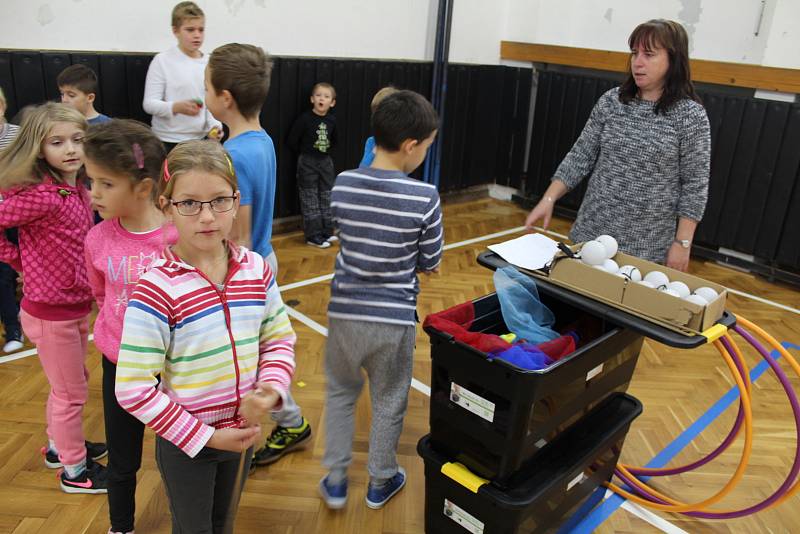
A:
{"x":524,"y":356}
{"x":99,"y":119}
{"x":523,"y":312}
{"x":369,"y":152}
{"x":253,"y":156}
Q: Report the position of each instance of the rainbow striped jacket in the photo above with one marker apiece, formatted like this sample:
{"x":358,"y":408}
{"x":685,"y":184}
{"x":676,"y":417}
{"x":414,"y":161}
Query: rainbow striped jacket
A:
{"x":209,"y":345}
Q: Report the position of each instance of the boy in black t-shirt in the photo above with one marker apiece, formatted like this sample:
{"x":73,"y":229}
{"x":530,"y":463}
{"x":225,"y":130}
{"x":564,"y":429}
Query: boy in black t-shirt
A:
{"x":312,"y":136}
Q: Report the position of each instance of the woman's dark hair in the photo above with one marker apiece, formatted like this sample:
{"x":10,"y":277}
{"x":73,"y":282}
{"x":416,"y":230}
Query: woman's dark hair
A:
{"x":671,"y":36}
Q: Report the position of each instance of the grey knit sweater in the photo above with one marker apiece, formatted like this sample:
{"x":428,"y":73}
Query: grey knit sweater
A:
{"x":645,"y":171}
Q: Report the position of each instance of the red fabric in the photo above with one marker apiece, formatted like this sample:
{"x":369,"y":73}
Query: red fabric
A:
{"x":558,"y":347}
{"x":456,"y":322}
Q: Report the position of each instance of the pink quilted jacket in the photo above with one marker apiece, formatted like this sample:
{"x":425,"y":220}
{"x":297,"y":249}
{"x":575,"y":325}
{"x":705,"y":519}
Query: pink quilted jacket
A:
{"x":53,"y":220}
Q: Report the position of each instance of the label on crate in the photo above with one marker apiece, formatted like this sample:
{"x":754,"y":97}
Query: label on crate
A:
{"x":594,"y":372}
{"x":577,"y":480}
{"x":470,"y":401}
{"x":466,"y":520}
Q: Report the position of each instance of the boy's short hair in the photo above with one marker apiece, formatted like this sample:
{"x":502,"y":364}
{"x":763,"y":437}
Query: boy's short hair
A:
{"x":324,"y":85}
{"x":185,"y":10}
{"x":245,"y":71}
{"x":80,"y":77}
{"x":380,"y":95}
{"x":403,"y":115}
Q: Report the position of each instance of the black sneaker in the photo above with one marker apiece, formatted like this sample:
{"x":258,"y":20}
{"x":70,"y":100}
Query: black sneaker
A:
{"x":92,"y":480}
{"x":95,"y":451}
{"x":282,"y":441}
{"x":318,"y":241}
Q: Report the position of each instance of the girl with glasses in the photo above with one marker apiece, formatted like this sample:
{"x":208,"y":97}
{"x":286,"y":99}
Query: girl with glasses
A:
{"x":207,"y":317}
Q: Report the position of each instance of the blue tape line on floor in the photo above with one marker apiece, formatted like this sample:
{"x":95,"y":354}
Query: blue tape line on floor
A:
{"x":610,"y":505}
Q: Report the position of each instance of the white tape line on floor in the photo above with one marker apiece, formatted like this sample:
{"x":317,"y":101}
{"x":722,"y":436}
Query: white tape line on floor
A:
{"x":316,"y":327}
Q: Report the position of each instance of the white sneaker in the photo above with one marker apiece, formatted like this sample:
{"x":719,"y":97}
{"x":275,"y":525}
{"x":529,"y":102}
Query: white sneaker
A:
{"x":332,"y":239}
{"x":12,"y":345}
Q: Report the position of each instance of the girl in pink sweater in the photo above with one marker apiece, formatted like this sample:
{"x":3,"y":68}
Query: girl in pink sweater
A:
{"x":43,"y":199}
{"x":123,"y":161}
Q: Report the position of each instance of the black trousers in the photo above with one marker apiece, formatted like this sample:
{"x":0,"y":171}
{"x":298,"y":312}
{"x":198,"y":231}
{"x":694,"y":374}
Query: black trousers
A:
{"x":315,"y":177}
{"x":9,"y":309}
{"x":124,"y":435}
{"x":202,"y":490}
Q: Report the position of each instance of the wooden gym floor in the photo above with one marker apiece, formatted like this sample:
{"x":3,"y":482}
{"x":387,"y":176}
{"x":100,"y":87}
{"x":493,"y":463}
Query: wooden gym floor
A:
{"x":676,"y":388}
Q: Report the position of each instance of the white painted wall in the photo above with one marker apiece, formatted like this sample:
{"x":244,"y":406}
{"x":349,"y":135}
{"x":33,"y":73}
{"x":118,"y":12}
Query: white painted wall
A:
{"x":720,"y":29}
{"x":352,"y":28}
{"x":783,"y":44}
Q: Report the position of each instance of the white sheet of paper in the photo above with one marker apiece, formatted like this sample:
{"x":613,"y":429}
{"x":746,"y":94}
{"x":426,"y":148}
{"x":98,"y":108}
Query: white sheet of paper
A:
{"x":531,"y":251}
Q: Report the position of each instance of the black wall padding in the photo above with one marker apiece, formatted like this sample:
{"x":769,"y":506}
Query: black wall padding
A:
{"x":53,"y":63}
{"x":7,"y":83}
{"x":754,"y":200}
{"x":28,"y":78}
{"x":484,"y":129}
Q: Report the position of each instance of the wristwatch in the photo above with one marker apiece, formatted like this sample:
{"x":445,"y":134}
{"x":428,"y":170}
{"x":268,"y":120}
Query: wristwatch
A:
{"x":685,"y":243}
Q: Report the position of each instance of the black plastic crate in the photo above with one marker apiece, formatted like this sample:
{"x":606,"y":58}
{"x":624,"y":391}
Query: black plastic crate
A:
{"x":493,"y":416}
{"x":543,"y":496}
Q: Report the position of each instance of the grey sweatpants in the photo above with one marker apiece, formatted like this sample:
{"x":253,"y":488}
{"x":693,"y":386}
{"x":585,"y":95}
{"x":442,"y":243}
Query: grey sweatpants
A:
{"x":290,"y":415}
{"x":385,"y":352}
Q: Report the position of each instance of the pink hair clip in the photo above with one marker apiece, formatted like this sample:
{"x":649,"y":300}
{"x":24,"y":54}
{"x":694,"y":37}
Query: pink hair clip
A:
{"x":138,"y":155}
{"x":167,"y":177}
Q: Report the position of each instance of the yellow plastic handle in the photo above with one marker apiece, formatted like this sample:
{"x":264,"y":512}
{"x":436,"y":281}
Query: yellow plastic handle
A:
{"x":463,"y":476}
{"x":715,"y":332}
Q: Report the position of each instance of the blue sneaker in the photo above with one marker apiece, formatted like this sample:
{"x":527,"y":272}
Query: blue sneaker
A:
{"x":334,"y":496}
{"x":378,"y":497}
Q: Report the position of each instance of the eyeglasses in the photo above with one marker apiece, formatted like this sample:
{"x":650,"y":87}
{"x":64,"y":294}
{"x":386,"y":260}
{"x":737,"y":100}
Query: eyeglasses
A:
{"x":193,"y":207}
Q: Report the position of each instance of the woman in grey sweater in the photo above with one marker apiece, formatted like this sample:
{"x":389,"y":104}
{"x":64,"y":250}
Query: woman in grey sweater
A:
{"x":646,"y":150}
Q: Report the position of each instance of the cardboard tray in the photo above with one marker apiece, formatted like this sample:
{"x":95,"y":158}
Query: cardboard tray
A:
{"x":650,"y":303}
{"x":603,"y":306}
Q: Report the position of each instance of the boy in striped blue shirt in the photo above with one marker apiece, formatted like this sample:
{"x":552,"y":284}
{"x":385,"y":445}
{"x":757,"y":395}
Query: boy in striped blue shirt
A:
{"x":389,"y":228}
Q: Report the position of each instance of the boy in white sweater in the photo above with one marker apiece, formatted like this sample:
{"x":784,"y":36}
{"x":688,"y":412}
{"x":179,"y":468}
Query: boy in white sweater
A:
{"x":173,"y":91}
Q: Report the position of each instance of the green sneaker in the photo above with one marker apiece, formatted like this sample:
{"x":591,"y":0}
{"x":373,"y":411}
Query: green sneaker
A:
{"x":282,"y":440}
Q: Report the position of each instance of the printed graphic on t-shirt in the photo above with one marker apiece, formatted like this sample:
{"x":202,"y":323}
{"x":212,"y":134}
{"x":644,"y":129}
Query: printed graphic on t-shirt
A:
{"x":323,"y":143}
{"x":128,"y":270}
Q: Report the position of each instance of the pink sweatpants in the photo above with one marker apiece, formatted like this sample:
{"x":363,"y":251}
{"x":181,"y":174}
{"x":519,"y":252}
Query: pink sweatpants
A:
{"x":62,"y":350}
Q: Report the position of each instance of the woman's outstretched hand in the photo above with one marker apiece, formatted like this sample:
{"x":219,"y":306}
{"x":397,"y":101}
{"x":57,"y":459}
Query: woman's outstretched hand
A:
{"x":544,"y":211}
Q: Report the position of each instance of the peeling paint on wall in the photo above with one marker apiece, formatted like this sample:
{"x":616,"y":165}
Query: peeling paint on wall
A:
{"x":689,"y":16}
{"x":234,"y":6}
{"x":45,"y":15}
